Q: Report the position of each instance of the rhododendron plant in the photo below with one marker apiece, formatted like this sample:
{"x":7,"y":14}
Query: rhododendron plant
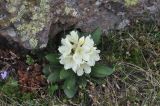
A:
{"x":78,"y":53}
{"x":76,"y":63}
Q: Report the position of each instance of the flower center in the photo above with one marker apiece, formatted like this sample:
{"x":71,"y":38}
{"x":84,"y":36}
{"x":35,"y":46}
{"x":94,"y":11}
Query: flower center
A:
{"x":79,"y":50}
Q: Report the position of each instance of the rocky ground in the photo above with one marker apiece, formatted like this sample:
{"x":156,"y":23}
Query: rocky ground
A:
{"x":131,"y":36}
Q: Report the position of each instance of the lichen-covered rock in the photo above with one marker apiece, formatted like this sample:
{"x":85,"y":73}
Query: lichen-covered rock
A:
{"x":31,"y":20}
{"x":28,"y":21}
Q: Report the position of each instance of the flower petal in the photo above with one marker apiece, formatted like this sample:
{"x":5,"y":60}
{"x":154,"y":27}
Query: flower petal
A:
{"x":89,"y":43}
{"x":4,"y":74}
{"x":68,"y":62}
{"x":73,"y":37}
{"x":80,"y":72}
{"x":81,"y":41}
{"x":87,"y":69}
{"x":77,"y":58}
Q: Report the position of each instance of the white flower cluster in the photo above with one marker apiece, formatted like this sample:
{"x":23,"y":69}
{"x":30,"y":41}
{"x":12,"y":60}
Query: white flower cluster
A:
{"x":78,"y":54}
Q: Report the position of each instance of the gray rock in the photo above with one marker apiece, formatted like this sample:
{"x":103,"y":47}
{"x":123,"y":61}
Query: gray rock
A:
{"x":87,"y":15}
{"x":106,"y":14}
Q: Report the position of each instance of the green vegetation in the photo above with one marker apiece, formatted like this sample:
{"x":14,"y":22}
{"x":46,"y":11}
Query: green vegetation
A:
{"x":135,"y":55}
{"x":29,"y":60}
{"x":59,"y":78}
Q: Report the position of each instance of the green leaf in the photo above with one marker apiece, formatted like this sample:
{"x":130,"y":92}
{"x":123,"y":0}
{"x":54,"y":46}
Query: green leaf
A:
{"x":96,"y":35}
{"x":70,"y":82}
{"x":53,"y":77}
{"x":47,"y":69}
{"x":69,"y":87}
{"x":65,"y":74}
{"x":70,"y":92}
{"x":52,"y":58}
{"x":52,"y":88}
{"x":101,"y":71}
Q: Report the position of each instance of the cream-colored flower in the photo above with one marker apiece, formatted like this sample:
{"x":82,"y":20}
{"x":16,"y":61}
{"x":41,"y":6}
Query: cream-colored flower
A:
{"x":66,"y":47}
{"x":73,"y":37}
{"x":78,"y":53}
{"x":89,"y":43}
{"x":83,"y":68}
{"x":94,"y":56}
{"x":68,"y":62}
